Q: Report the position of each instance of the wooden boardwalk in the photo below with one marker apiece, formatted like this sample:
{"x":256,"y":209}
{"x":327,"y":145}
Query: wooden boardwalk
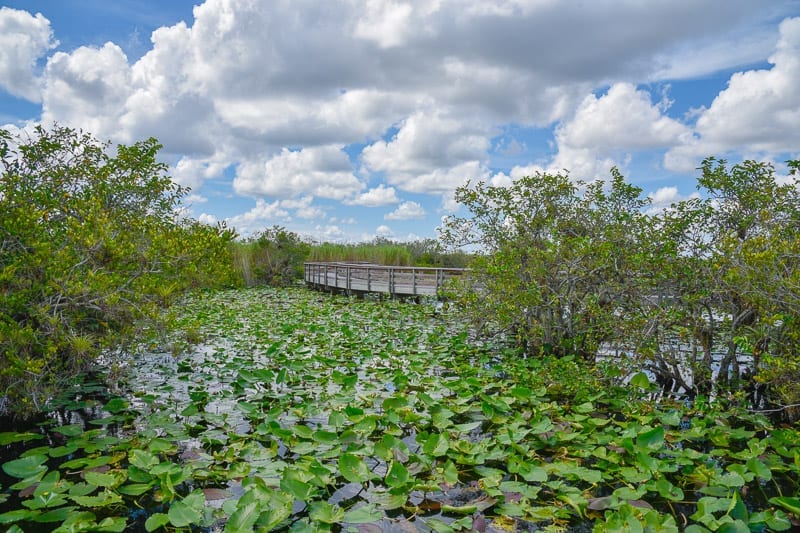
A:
{"x":364,"y":278}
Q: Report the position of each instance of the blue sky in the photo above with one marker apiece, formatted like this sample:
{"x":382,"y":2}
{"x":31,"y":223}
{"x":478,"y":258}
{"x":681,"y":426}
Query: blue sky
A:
{"x":346,"y":120}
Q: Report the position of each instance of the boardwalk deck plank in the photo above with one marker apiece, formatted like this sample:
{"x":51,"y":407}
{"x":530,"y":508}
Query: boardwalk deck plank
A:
{"x":362,"y":278}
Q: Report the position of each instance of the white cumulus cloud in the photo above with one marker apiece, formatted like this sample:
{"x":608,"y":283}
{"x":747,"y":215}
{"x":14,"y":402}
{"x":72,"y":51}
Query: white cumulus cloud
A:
{"x":376,"y":197}
{"x":406,"y":211}
{"x":605,"y":130}
{"x":429,"y":153}
{"x":323,"y":171}
{"x":88,"y":88}
{"x":24,"y":38}
{"x":263,"y":215}
{"x":384,"y":231}
{"x":758,"y":112}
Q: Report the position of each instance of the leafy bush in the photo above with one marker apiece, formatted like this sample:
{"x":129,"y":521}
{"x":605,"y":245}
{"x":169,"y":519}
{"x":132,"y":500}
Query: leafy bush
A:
{"x":90,"y":246}
{"x":574,"y":268}
{"x":556,"y":264}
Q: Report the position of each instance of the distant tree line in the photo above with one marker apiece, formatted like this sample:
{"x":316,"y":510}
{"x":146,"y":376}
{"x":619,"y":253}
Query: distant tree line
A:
{"x":705,"y":294}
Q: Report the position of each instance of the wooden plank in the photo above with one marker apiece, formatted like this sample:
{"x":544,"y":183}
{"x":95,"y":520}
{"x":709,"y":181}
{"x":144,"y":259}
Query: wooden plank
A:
{"x":369,"y":278}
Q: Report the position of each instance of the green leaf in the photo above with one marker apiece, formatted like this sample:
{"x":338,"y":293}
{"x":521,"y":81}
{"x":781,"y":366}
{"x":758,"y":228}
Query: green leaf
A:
{"x":438,"y":526}
{"x":70,"y":430}
{"x":143,"y":459}
{"x":181,"y":515}
{"x":779,"y":521}
{"x":640,"y":380}
{"x":299,"y":489}
{"x":160,"y":445}
{"x":115,"y":524}
{"x":354,"y":469}
{"x":104,"y":499}
{"x":790,"y":504}
{"x":11,"y":437}
{"x":521,"y":393}
{"x":450,"y":473}
{"x":668,"y":491}
{"x":652,"y":439}
{"x":392,"y":499}
{"x":116,"y":405}
{"x":110,"y":480}
{"x":17,"y":515}
{"x":759,"y":468}
{"x":244,"y":517}
{"x":737,"y":526}
{"x":26,"y":467}
{"x":134,"y":489}
{"x":326,"y":513}
{"x":532,"y":473}
{"x":279,"y":509}
{"x":436,"y":445}
{"x":325,"y":437}
{"x":56,"y":515}
{"x":363,"y":515}
{"x":730,"y":479}
{"x":155,"y":521}
{"x":397,"y":476}
{"x":467,"y":427}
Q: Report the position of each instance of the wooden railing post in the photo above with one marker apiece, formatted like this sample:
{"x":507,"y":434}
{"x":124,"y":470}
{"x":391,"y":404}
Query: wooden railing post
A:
{"x":397,"y":281}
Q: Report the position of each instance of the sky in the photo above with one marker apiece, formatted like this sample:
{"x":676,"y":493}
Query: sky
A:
{"x":346,"y":120}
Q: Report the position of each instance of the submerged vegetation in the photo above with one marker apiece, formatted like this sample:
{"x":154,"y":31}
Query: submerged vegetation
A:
{"x":301,"y":412}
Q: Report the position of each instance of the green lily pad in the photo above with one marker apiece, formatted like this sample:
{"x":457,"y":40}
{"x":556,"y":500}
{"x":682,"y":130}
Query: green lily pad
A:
{"x":354,"y":469}
{"x":326,"y":513}
{"x":182,"y":514}
{"x":10,"y":437}
{"x":155,"y":521}
{"x":362,"y":515}
{"x":26,"y":467}
{"x":397,"y":476}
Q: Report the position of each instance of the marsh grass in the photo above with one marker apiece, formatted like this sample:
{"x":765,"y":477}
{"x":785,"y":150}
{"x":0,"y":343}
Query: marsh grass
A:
{"x":377,"y":253}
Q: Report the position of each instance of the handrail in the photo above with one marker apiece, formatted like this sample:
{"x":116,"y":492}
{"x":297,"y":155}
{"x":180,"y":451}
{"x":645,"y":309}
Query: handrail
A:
{"x":374,"y":266}
{"x":360,"y":278}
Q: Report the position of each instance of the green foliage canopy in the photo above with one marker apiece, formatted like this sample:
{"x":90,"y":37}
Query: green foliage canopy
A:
{"x":91,"y":244}
{"x":555,"y":261}
{"x":703,"y":294}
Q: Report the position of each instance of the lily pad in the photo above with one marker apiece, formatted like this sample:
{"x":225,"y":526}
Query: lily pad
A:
{"x":26,"y":467}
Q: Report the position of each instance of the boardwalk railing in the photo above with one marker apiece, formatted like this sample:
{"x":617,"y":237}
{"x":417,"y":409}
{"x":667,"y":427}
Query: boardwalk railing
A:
{"x":362,"y":278}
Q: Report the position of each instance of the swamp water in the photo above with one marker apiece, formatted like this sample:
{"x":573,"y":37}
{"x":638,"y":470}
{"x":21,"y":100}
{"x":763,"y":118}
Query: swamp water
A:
{"x":308,"y":413}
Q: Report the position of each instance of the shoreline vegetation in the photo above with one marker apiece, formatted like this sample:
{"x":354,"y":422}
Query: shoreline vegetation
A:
{"x":227,"y":398}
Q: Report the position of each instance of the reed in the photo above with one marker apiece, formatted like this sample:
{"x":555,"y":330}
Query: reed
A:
{"x":380,"y":254}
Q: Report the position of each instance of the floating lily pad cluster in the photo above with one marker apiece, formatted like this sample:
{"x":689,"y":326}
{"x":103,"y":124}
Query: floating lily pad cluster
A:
{"x":302,"y":412}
